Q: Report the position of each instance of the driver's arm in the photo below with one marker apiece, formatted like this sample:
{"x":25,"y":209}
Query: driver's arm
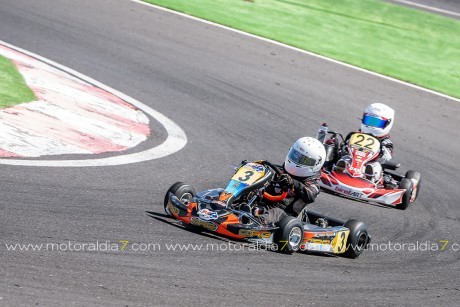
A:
{"x":386,"y":152}
{"x":307,"y":191}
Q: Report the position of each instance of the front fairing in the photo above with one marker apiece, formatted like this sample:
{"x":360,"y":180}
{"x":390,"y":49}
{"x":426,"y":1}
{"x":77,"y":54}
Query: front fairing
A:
{"x":359,"y":188}
{"x":248,"y":177}
{"x":362,"y":148}
{"x":208,"y":213}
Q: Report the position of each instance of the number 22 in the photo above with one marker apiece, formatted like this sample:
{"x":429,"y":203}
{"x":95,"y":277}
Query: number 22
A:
{"x":368,"y":145}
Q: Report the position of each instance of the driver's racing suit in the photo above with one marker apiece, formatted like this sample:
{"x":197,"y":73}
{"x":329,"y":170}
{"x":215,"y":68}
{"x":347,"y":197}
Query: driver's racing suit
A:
{"x":301,"y":191}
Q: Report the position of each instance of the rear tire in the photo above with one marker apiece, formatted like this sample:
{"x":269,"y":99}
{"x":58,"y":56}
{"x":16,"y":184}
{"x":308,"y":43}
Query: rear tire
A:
{"x":290,"y":235}
{"x":357,"y":239}
{"x":407,"y":185}
{"x":415,"y":175}
{"x":184,"y":192}
{"x":331,"y":156}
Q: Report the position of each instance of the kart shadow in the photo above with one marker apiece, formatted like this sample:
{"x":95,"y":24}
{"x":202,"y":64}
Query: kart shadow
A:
{"x":168,"y":220}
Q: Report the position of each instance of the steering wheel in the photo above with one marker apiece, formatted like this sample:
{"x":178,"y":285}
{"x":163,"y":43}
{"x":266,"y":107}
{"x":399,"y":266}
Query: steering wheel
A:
{"x":268,"y":196}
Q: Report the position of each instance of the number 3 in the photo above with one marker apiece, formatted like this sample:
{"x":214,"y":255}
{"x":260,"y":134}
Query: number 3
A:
{"x":248,"y":175}
{"x":340,"y":242}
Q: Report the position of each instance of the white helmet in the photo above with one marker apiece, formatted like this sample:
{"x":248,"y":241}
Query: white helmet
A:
{"x":378,"y":119}
{"x":305,"y":157}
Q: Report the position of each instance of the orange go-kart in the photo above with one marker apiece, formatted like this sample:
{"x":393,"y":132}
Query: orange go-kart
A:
{"x":228,"y":213}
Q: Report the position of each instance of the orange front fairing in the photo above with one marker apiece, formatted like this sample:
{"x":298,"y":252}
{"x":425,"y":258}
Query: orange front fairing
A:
{"x":182,"y":213}
{"x":225,"y":232}
{"x":231,"y":220}
{"x":224,"y":196}
{"x":217,"y":219}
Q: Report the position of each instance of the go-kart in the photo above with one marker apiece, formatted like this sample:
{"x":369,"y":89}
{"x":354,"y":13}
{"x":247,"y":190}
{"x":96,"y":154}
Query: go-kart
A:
{"x":228,"y":212}
{"x":349,"y":178}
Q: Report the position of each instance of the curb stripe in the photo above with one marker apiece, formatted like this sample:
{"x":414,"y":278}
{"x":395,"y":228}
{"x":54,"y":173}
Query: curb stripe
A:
{"x":176,"y":138}
{"x":32,"y":144}
{"x":52,"y":128}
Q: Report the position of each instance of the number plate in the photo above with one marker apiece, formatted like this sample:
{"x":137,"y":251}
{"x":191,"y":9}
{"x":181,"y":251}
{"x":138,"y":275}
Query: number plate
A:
{"x":249,"y":173}
{"x":340,"y":241}
{"x":365,"y":142}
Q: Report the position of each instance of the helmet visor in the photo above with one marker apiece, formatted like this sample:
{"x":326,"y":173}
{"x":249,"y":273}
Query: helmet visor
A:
{"x":375,"y":121}
{"x":299,"y":159}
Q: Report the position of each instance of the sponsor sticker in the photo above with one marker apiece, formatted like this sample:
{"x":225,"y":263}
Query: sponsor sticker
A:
{"x":205,"y":224}
{"x":207,"y":215}
{"x":317,"y":247}
{"x":254,"y":233}
{"x":348,"y":192}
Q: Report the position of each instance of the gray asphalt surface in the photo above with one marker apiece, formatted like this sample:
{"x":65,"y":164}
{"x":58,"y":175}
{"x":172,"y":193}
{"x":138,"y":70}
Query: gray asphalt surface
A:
{"x":236,"y":98}
{"x":452,"y":6}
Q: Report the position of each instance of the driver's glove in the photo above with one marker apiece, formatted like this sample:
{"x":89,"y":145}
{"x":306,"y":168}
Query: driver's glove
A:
{"x":258,"y":211}
{"x":285,"y":182}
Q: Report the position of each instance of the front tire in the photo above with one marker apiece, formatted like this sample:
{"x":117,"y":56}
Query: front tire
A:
{"x":406,"y":199}
{"x":414,"y":175}
{"x":184,"y":192}
{"x":357,"y":239}
{"x":289,"y":235}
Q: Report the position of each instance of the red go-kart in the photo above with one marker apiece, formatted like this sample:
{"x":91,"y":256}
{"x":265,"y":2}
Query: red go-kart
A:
{"x":348,"y":178}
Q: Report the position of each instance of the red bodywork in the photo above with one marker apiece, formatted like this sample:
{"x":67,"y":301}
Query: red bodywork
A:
{"x":351,"y":180}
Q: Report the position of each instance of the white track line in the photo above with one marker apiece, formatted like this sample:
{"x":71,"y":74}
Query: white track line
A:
{"x":426,"y":7}
{"x":299,"y":50}
{"x":175,"y":141}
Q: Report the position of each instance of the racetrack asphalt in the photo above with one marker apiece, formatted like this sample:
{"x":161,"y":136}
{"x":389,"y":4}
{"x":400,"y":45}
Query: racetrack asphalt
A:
{"x":236,"y":98}
{"x":448,"y":8}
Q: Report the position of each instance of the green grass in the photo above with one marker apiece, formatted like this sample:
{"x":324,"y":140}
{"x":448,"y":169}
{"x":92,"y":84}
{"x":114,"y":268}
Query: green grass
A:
{"x":407,"y":44}
{"x":13,"y":89}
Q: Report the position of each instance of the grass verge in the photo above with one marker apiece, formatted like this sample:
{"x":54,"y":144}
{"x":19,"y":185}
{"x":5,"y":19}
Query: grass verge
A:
{"x":404,"y":43}
{"x":13,"y":89}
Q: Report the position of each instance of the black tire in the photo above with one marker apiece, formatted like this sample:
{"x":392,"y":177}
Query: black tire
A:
{"x":331,"y":156}
{"x":357,"y":239}
{"x":415,"y":175}
{"x":182,"y":191}
{"x":405,"y":184}
{"x":289,"y":236}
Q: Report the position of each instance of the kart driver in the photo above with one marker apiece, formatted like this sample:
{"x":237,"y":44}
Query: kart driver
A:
{"x":300,"y":173}
{"x":378,"y":119}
